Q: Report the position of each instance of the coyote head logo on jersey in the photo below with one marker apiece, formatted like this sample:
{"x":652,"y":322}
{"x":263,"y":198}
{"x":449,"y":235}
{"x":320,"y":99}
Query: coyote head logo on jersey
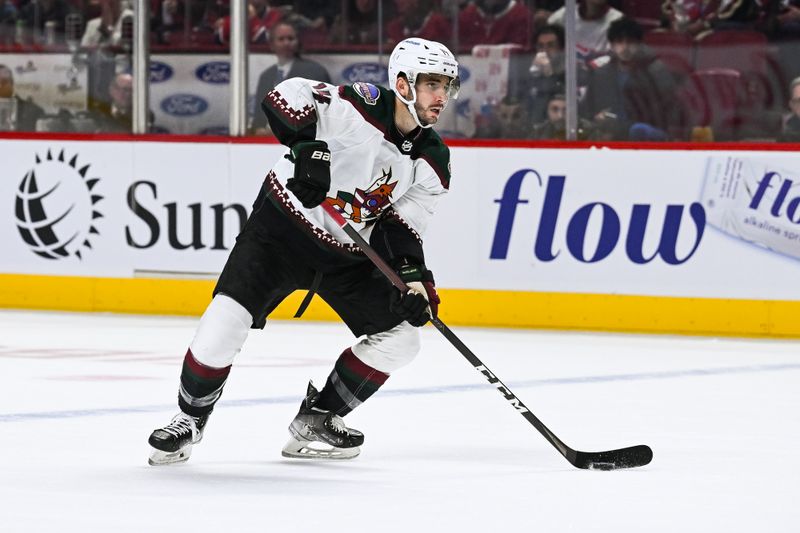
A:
{"x":365,"y":205}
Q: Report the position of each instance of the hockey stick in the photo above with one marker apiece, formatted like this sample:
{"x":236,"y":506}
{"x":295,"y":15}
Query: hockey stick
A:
{"x":609,"y":460}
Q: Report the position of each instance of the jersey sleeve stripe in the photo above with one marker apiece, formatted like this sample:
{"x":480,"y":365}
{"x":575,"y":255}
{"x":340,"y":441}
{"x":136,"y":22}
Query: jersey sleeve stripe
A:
{"x":293,"y":118}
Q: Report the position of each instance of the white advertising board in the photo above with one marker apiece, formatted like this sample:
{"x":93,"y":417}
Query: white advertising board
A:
{"x":53,"y":81}
{"x":64,"y":207}
{"x":190,"y":94}
{"x":619,"y":222}
{"x":139,"y":209}
{"x":659,"y":223}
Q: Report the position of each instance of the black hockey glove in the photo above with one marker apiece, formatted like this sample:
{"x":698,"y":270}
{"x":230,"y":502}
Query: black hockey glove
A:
{"x":312,"y":172}
{"x":421,"y":302}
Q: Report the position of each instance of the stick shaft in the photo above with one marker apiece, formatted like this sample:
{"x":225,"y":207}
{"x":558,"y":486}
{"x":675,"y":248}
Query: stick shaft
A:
{"x":462,"y":348}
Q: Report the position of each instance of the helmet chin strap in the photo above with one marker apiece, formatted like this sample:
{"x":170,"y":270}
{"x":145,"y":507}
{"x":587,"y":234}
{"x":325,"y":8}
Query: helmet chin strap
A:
{"x":410,"y":106}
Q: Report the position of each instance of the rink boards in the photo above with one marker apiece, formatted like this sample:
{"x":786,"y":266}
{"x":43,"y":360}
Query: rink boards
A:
{"x":656,"y":240}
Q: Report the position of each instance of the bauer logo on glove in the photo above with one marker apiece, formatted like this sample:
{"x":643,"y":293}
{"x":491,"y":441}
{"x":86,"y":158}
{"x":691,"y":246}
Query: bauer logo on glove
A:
{"x":312,"y":172}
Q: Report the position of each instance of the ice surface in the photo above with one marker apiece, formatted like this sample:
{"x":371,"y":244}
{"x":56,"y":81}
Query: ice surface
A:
{"x":443,"y":451}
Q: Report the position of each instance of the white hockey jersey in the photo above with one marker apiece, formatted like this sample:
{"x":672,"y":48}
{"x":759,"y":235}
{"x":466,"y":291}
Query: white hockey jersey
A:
{"x":373,"y":166}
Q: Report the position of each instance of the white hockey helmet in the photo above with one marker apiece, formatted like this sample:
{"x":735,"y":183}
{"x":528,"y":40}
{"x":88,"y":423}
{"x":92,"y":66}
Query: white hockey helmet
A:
{"x":414,"y":56}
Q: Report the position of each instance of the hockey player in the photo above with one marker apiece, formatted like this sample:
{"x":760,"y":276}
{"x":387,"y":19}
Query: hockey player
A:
{"x":371,"y":152}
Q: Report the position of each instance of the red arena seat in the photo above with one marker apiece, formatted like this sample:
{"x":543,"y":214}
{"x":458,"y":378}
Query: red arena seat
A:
{"x":714,"y":97}
{"x":646,"y":12}
{"x":742,"y":50}
{"x":673,"y":48}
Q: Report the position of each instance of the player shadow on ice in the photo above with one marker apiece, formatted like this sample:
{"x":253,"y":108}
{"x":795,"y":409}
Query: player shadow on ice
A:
{"x":243,"y":474}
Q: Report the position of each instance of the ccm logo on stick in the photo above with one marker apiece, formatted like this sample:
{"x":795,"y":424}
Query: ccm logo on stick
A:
{"x":502,"y":388}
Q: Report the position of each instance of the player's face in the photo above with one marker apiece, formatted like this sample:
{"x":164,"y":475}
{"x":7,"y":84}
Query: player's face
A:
{"x":432,"y":94}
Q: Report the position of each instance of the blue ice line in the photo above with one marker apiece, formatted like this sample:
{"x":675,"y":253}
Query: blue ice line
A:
{"x":640,"y":376}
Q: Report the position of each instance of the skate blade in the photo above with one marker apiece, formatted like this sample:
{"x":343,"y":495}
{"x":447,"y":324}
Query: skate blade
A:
{"x":158,"y":458}
{"x":305,"y":449}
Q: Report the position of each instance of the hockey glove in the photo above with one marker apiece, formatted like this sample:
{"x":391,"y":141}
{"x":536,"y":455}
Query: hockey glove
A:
{"x":421,"y":302}
{"x":312,"y":172}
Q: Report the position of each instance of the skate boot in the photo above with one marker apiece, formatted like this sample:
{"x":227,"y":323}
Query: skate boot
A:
{"x":319,"y":434}
{"x":173,"y":443}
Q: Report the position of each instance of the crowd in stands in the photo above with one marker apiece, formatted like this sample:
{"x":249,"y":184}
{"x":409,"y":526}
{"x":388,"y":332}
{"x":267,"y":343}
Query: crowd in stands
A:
{"x":648,"y":70}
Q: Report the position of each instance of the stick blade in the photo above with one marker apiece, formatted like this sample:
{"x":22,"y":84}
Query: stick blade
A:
{"x":631,"y":457}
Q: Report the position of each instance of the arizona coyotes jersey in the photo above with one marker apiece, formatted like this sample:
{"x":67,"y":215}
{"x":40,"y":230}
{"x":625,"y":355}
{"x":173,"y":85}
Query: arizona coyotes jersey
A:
{"x":374,"y":167}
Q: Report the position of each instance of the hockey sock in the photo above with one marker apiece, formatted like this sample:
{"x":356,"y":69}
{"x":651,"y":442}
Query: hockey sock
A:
{"x":201,"y":386}
{"x":350,"y":384}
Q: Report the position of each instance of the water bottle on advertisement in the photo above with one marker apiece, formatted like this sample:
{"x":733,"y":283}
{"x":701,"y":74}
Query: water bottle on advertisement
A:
{"x":484,"y":119}
{"x":73,"y":29}
{"x":50,"y":32}
{"x":754,"y":200}
{"x":126,"y":33}
{"x":19,"y":33}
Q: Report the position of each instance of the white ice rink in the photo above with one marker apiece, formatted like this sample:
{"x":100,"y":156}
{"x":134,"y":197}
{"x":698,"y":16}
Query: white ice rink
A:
{"x":443,"y":452}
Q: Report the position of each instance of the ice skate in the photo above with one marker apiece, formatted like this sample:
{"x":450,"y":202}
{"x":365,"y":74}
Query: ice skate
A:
{"x":319,"y":434}
{"x":173,"y":443}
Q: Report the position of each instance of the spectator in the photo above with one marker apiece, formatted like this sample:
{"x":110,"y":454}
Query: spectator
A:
{"x":286,"y":46}
{"x":209,"y":14}
{"x":167,"y":18}
{"x":784,"y":19}
{"x":546,"y":74}
{"x":16,"y":114}
{"x":262,"y":16}
{"x":513,"y":119}
{"x":758,"y":120}
{"x":107,"y":29}
{"x":545,"y":8}
{"x":554,"y":127}
{"x":696,"y":16}
{"x":115,"y":115}
{"x":416,"y":18}
{"x":359,"y":26}
{"x":494,"y":22}
{"x":594,"y":17}
{"x":314,"y":14}
{"x":8,"y":20}
{"x":35,"y":15}
{"x":633,"y":95}
{"x":313,"y":18}
{"x":791,"y":125}
{"x":505,"y":120}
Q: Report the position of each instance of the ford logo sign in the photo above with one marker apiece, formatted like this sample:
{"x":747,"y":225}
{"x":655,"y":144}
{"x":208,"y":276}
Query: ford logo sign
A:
{"x":160,"y":72}
{"x":217,"y":72}
{"x":368,"y":72}
{"x":184,"y":105}
{"x":463,"y":73}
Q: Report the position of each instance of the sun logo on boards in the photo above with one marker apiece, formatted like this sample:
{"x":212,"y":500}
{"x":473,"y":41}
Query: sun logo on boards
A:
{"x":56,"y":209}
